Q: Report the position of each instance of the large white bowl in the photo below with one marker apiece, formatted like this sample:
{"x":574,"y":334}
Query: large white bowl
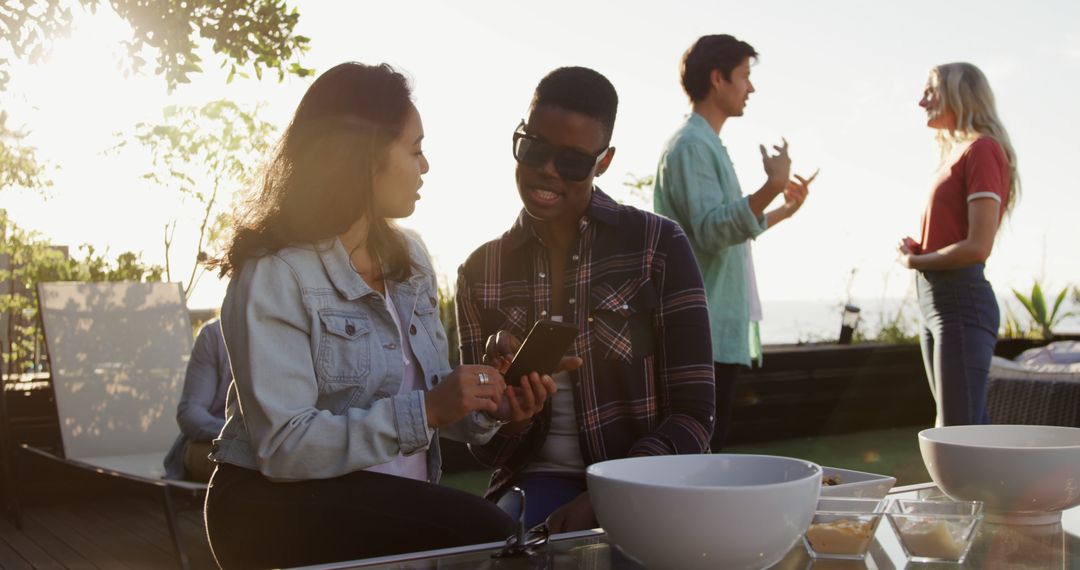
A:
{"x":705,"y":511}
{"x":1023,"y":474}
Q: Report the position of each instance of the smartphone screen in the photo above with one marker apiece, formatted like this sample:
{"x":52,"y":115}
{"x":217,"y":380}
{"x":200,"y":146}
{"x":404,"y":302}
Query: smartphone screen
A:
{"x":542,"y":350}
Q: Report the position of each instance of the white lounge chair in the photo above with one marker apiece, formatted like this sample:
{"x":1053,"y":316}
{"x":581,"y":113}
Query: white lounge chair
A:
{"x":117,"y":354}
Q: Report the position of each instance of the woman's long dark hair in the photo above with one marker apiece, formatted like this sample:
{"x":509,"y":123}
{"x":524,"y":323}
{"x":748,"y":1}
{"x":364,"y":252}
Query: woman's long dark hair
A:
{"x":318,"y":181}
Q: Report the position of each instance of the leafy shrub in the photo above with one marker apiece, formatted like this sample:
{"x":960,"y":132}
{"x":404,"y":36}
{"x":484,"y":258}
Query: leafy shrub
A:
{"x":1042,"y":318}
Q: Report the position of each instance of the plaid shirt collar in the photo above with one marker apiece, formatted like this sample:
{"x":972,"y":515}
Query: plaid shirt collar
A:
{"x":601,"y":208}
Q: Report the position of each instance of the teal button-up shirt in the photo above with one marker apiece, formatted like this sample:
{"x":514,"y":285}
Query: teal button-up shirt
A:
{"x":696,"y":186}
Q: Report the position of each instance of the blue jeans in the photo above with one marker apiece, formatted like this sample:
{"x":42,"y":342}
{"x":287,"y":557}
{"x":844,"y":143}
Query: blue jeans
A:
{"x":960,"y":323}
{"x":544,"y":492}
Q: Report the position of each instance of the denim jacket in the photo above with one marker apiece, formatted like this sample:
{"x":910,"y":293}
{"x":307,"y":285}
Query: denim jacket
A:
{"x":317,"y":366}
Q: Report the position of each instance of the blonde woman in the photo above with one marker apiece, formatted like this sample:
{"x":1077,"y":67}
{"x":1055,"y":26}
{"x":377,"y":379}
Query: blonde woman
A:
{"x":975,"y":187}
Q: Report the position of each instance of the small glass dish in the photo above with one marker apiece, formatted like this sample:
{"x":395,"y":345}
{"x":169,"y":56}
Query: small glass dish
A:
{"x":843,"y":527}
{"x":935,"y":530}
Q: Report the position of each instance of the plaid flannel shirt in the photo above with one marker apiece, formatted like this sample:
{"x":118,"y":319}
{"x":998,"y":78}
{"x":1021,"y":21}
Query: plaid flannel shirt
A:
{"x":635,"y":292}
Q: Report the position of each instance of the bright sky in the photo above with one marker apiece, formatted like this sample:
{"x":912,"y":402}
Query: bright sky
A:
{"x":839,"y":80}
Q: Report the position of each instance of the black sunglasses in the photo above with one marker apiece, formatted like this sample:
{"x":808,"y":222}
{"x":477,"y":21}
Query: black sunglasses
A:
{"x":534,"y":152}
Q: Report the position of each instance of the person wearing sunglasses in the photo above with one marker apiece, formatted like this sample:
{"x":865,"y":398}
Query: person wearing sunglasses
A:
{"x":342,"y":386}
{"x":696,"y":186}
{"x":638,"y":378}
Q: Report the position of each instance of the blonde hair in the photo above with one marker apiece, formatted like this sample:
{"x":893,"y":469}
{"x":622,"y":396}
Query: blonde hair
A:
{"x":964,"y":90}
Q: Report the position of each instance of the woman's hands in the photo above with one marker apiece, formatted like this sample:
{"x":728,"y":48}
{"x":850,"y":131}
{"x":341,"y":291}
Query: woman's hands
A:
{"x":469,"y":388}
{"x":907,"y":250}
{"x":500,"y":349}
{"x":520,"y":404}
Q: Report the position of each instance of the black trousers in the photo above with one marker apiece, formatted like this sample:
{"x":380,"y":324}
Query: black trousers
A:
{"x":725,"y":402}
{"x":253,"y":522}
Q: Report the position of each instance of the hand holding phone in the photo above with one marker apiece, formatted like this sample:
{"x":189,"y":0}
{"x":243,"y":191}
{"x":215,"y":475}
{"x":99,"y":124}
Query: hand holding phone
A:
{"x":542,"y":350}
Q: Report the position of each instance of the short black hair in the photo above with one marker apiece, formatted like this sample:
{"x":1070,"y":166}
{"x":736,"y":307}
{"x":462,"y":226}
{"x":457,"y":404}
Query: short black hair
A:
{"x":581,"y":90}
{"x":722,"y":52}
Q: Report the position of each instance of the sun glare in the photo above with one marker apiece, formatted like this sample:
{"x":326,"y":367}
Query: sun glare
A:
{"x":850,"y":112}
{"x":77,"y":101}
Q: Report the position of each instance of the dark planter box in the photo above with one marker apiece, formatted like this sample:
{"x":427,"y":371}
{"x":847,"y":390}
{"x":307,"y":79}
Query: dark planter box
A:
{"x":821,"y":389}
{"x":808,"y":390}
{"x":812,"y":390}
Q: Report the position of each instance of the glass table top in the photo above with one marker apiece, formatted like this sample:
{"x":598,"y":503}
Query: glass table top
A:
{"x":995,"y":546}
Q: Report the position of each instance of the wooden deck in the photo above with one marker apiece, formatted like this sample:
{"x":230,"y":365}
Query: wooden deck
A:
{"x":115,"y":531}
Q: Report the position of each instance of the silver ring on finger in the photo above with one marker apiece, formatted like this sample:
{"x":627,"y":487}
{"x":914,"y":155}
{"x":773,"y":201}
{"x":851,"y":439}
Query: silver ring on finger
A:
{"x":483,"y":378}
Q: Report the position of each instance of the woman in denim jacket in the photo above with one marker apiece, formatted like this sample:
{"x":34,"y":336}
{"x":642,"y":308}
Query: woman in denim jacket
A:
{"x":342,"y":387}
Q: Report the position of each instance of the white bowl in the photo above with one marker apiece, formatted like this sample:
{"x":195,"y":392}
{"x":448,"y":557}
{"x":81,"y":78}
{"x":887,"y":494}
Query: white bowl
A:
{"x":1023,"y":474}
{"x":705,"y":511}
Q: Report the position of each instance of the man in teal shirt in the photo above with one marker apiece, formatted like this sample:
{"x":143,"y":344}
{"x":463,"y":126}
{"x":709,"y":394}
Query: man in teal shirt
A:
{"x":696,"y":186}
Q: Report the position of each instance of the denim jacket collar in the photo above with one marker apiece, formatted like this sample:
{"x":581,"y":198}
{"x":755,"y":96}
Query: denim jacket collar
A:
{"x":340,"y":271}
{"x":347,"y":281}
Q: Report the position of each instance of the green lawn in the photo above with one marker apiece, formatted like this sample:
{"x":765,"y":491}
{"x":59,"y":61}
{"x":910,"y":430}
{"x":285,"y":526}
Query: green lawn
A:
{"x":472,"y":481}
{"x":890,"y":452}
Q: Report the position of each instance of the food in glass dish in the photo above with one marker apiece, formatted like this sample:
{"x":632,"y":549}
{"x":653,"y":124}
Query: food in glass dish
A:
{"x":845,"y":536}
{"x":843,"y":527}
{"x":935,"y":530}
{"x":933,"y":540}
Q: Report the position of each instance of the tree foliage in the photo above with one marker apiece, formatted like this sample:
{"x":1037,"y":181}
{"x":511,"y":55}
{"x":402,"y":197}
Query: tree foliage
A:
{"x":27,"y":259}
{"x":19,"y":164}
{"x":204,"y":153}
{"x":641,"y":190}
{"x":254,"y":35}
{"x":448,"y":317}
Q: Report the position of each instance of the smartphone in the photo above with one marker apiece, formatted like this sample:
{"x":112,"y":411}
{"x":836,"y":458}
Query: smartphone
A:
{"x":542,"y":350}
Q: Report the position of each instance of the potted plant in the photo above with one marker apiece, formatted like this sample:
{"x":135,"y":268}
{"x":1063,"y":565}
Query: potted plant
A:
{"x":1042,"y":319}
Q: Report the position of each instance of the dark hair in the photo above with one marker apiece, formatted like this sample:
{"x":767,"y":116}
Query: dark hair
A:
{"x":721,"y":52}
{"x":318,"y":180}
{"x":581,"y":90}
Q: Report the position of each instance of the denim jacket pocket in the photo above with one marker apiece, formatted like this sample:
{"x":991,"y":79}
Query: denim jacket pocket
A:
{"x":345,"y":346}
{"x":427,"y":312}
{"x":621,"y":319}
